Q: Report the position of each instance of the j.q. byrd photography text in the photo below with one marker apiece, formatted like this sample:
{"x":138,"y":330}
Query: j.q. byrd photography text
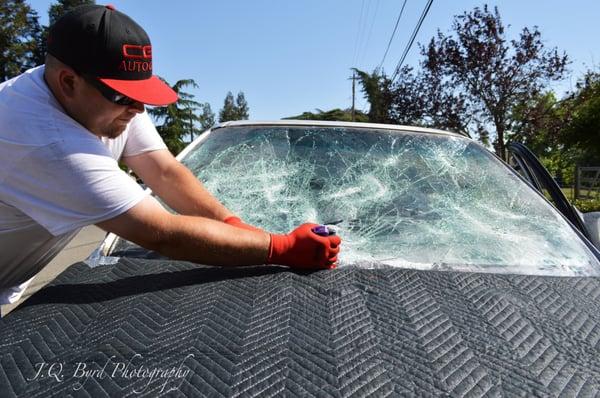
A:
{"x":168,"y":378}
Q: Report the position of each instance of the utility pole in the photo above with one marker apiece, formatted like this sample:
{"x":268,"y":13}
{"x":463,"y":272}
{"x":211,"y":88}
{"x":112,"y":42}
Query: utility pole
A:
{"x":353,"y":78}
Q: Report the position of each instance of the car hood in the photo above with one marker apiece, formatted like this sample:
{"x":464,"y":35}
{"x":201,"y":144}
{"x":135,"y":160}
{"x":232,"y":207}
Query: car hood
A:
{"x":268,"y":331}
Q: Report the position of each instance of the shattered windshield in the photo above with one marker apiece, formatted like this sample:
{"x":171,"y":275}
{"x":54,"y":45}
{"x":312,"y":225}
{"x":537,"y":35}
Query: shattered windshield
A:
{"x":416,"y":200}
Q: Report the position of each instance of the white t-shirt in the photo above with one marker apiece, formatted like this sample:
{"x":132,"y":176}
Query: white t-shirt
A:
{"x":56,"y":176}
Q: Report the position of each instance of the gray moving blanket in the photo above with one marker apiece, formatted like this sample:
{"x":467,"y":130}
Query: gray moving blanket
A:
{"x":155,"y":327}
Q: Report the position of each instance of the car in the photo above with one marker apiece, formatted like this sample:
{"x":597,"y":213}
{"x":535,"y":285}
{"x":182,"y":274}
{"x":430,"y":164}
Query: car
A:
{"x":459,"y":274}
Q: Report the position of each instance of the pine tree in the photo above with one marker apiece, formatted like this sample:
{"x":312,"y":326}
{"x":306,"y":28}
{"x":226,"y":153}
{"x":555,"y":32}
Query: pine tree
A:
{"x":19,"y":36}
{"x":178,"y":119}
{"x":242,"y":107}
{"x":207,"y":117}
{"x":229,"y":111}
{"x":54,"y":13}
{"x":62,"y":7}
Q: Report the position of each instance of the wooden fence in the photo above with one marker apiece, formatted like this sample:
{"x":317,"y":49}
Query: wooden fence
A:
{"x":587,"y":183}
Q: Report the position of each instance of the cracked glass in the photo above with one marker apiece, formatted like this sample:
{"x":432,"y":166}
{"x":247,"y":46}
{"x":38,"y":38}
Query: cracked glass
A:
{"x":401,"y":199}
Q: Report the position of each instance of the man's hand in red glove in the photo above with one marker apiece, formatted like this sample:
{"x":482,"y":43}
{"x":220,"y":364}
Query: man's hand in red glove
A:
{"x":302,"y":248}
{"x":237,"y":222}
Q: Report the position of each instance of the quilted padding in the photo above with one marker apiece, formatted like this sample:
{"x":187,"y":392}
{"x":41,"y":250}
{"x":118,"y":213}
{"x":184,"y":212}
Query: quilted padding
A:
{"x":154,"y":327}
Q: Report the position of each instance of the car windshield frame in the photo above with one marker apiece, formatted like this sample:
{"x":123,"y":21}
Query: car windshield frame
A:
{"x":285,"y":224}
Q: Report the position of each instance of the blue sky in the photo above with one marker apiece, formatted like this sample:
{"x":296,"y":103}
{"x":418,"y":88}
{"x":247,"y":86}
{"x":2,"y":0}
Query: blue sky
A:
{"x":294,"y":56}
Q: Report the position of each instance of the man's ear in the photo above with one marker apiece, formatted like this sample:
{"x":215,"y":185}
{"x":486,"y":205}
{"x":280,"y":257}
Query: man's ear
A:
{"x":68,"y":82}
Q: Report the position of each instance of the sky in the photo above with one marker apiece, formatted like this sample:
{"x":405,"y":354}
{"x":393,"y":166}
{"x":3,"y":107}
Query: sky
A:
{"x":290,"y":57}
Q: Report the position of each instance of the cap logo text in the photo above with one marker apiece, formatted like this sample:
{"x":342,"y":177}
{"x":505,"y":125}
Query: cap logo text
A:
{"x":137,"y":58}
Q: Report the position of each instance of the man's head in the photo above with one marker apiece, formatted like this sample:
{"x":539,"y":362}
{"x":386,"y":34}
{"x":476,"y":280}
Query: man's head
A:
{"x":99,"y":67}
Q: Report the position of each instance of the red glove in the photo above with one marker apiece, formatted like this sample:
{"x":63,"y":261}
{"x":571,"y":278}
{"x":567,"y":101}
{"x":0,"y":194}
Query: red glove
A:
{"x":302,"y":248}
{"x":237,"y":222}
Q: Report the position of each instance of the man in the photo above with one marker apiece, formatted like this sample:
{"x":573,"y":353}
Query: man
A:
{"x":63,"y":128}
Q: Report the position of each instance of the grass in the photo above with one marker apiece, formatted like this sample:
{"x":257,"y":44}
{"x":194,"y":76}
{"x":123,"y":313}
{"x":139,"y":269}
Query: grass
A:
{"x":584,"y":205}
{"x":593,"y":195}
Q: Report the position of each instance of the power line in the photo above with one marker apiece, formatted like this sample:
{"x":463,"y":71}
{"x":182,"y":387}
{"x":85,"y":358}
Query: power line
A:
{"x":358,"y":33}
{"x":412,"y":38}
{"x":366,"y":46}
{"x":360,"y":44}
{"x":393,"y":34}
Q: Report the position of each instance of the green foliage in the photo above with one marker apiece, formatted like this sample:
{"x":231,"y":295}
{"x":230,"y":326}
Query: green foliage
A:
{"x":234,"y":110}
{"x":587,"y":205}
{"x":207,"y":117}
{"x":537,"y":123}
{"x":242,"y":107}
{"x":20,"y":34}
{"x":179,"y":119}
{"x":228,"y":112}
{"x":332,"y":115}
{"x":62,"y":7}
{"x":562,"y":133}
{"x":424,"y":99}
{"x":377,"y":88}
{"x":561,"y":165}
{"x":583,"y":129}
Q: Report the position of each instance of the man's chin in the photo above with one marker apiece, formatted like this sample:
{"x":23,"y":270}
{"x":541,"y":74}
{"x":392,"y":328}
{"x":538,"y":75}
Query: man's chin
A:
{"x":115,"y":131}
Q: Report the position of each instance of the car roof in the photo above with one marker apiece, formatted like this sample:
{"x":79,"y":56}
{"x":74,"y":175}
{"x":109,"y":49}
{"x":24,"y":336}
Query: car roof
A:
{"x":321,"y":123}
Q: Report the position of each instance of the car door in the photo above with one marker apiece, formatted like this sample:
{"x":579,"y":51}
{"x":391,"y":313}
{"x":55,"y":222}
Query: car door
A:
{"x":531,"y":169}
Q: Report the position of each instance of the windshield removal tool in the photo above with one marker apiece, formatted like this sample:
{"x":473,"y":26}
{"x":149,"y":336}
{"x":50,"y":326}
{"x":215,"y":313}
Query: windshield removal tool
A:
{"x":322,"y":230}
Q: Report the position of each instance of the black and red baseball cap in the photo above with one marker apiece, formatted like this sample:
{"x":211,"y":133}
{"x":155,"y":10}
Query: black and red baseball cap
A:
{"x":102,"y":42}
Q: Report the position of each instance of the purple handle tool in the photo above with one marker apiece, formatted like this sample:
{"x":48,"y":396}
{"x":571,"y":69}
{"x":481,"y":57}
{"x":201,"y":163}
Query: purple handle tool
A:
{"x":322,"y":230}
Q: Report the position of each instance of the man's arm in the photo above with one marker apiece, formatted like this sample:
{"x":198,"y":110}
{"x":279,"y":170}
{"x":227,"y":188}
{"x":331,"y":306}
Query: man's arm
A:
{"x":207,"y":241}
{"x":176,"y":185}
{"x":196,"y":236}
{"x":189,"y":238}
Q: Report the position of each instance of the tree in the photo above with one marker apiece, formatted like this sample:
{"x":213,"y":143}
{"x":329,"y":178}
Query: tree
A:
{"x":494,"y":73}
{"x":377,"y":88}
{"x":422,"y":99}
{"x":229,"y":111}
{"x":64,"y":6}
{"x":407,"y":100}
{"x":538,"y":123}
{"x":562,"y":133}
{"x":178,"y":119}
{"x":54,"y":13}
{"x":241,"y":107}
{"x":19,"y":36}
{"x":234,"y":110}
{"x":333,"y":115}
{"x":207,"y":117}
{"x":583,"y":128}
{"x":443,"y":106}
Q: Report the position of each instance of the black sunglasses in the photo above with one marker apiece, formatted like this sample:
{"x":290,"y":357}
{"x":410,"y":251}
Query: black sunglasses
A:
{"x":108,"y":93}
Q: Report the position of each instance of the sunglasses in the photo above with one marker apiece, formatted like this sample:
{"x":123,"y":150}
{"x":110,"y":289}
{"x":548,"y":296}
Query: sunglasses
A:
{"x":108,"y":93}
